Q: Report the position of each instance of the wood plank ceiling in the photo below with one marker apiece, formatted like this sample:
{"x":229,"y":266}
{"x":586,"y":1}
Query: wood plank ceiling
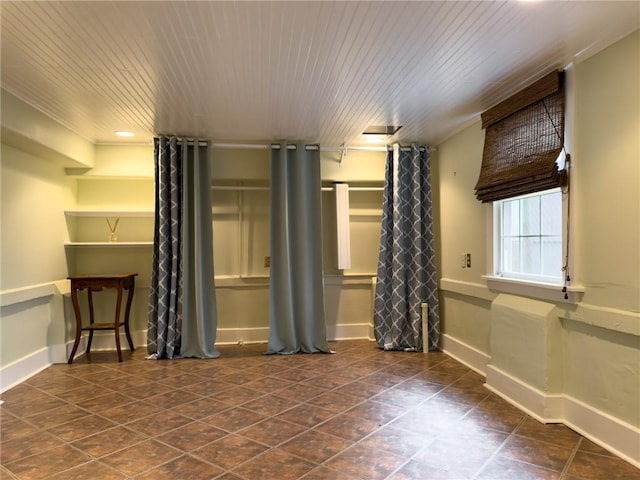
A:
{"x":253,"y":72}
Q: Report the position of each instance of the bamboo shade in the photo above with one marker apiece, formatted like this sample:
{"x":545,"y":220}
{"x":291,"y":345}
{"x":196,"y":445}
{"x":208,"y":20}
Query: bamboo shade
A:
{"x":524,"y":137}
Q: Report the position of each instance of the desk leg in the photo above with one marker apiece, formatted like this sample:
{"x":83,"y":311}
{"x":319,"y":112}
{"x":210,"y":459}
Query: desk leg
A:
{"x":127,"y":310}
{"x":91,"y":319}
{"x":117,"y":322}
{"x":76,"y":310}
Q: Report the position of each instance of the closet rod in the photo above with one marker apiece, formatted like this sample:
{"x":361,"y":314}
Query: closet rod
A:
{"x":253,"y":146}
{"x":324,"y":189}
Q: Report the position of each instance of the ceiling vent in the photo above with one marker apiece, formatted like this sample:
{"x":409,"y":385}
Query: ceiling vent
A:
{"x":381,"y":130}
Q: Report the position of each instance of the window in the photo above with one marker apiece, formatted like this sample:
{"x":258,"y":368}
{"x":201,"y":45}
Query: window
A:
{"x":529,"y":237}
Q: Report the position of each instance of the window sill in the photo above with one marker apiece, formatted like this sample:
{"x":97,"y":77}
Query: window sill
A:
{"x":543,"y":291}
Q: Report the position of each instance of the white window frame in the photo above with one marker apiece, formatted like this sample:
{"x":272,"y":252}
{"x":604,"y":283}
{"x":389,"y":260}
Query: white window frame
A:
{"x":529,"y":286}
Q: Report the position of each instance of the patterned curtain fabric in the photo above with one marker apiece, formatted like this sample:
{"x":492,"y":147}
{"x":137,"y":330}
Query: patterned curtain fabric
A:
{"x":406,"y":265}
{"x":296,"y":304}
{"x":182,"y":305}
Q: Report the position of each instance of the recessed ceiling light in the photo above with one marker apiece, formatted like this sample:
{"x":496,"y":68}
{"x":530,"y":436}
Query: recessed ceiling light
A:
{"x":381,"y":130}
{"x":124,"y":134}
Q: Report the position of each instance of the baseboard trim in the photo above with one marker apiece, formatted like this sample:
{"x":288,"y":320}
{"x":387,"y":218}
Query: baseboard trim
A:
{"x":541,"y":406}
{"x":20,"y":370}
{"x":610,"y":433}
{"x":465,"y":354}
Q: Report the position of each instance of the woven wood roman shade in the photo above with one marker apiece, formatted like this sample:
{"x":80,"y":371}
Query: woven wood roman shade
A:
{"x":524,"y":137}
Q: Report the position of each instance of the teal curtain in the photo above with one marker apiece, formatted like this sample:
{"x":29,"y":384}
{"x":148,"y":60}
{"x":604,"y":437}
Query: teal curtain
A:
{"x":182,"y":303}
{"x":296,"y":304}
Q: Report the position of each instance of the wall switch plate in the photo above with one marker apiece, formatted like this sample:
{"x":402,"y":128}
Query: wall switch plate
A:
{"x":468,"y":260}
{"x":267,"y":261}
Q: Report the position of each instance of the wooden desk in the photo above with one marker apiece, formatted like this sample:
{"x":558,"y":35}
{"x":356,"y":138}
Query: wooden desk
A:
{"x":96,"y":283}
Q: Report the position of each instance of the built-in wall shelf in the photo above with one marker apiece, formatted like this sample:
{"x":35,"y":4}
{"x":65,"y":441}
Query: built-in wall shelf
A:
{"x":108,"y":244}
{"x":109,"y":213}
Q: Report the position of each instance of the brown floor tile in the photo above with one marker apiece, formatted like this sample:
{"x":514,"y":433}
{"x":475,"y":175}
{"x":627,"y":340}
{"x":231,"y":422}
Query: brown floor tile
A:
{"x":400,"y":398}
{"x":349,"y":427}
{"x":418,"y":471}
{"x":108,"y":441}
{"x":300,"y":391}
{"x":234,"y":419}
{"x":172,"y":399}
{"x":159,"y":423}
{"x":463,"y":395}
{"x":204,"y":407}
{"x":324,"y":473}
{"x":15,"y":430}
{"x":48,"y":463}
{"x":417,"y":386}
{"x":34,"y":407}
{"x":83,"y":393}
{"x":237,"y":396}
{"x":82,"y":427}
{"x":274,"y":464}
{"x":546,"y":455}
{"x":92,"y":470}
{"x":184,"y":467}
{"x":462,"y":459}
{"x":361,"y":414}
{"x":361,"y":389}
{"x":192,"y":436}
{"x":551,"y":433}
{"x":315,"y":446}
{"x":378,"y":412}
{"x":307,"y":415}
{"x":399,"y":442}
{"x":587,"y":445}
{"x":27,"y":445}
{"x":334,"y":401}
{"x":363,"y":462}
{"x":271,"y":404}
{"x":141,"y":457}
{"x":503,"y":422}
{"x":105,"y":402}
{"x":272,"y":431}
{"x":130,"y":412}
{"x":57,"y":416}
{"x":501,"y":468}
{"x":21,"y":393}
{"x":230,"y":451}
{"x":591,"y":466}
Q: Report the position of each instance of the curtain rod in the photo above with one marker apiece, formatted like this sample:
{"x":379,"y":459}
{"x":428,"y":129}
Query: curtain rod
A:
{"x":324,"y":189}
{"x":253,"y":146}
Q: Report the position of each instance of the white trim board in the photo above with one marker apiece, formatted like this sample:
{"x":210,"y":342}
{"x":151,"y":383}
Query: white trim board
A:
{"x":465,"y":354}
{"x":621,"y":438}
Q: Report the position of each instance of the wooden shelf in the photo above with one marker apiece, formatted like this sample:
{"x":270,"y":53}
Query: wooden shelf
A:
{"x":108,"y":244}
{"x":109,"y":213}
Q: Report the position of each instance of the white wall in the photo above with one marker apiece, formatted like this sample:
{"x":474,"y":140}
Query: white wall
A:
{"x":577,"y":363}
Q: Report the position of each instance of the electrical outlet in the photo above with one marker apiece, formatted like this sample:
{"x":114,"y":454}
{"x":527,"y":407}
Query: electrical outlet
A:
{"x":463,"y":260}
{"x":468,"y":260}
{"x":267,"y":261}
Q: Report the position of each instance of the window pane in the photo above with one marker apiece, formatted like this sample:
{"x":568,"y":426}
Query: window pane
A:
{"x":530,"y":208}
{"x":531,"y":255}
{"x":552,"y":256}
{"x":511,"y":255}
{"x":551,"y":204}
{"x":511,"y":218}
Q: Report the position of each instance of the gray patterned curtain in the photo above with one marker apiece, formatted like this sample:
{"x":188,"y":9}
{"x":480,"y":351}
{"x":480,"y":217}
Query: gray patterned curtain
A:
{"x":296,"y":303}
{"x":406,"y":265}
{"x":182,"y":304}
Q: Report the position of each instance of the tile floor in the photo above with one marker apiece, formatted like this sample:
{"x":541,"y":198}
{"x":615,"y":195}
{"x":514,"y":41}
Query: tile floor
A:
{"x":359,"y":414}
